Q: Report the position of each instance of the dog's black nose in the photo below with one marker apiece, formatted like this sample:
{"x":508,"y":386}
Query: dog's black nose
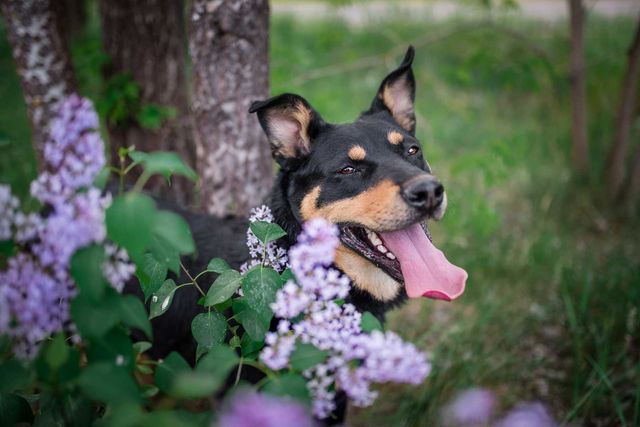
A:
{"x":424,"y":193}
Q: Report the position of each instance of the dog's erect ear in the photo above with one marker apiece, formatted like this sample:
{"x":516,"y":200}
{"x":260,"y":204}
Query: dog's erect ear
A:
{"x":397,"y":94}
{"x":290,"y":124}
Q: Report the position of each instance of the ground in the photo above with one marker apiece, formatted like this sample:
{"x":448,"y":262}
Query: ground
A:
{"x":551,"y":308}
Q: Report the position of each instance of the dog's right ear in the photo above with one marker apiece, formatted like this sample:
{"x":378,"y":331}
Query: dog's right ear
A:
{"x":290,"y":124}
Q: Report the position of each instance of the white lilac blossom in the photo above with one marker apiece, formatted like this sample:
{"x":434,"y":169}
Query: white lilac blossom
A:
{"x":36,"y":287}
{"x":356,"y":360}
{"x":270,"y":255}
{"x":250,"y":409}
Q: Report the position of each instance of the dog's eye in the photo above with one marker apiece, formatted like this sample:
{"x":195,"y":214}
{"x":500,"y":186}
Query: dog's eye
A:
{"x":347,"y":170}
{"x":413,"y":150}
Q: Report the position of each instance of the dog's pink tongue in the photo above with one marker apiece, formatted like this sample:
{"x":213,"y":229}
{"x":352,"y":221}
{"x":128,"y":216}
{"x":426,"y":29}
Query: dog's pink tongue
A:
{"x":425,"y":269}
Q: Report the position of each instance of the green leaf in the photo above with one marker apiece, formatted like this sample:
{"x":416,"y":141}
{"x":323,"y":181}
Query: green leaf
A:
{"x":168,"y":369}
{"x":100,"y":181}
{"x":108,"y":383}
{"x":161,"y":300}
{"x":370,"y":323}
{"x":255,"y":324}
{"x":165,"y":254}
{"x":219,"y":360}
{"x":287,"y":275}
{"x":290,"y":385}
{"x":152,"y":116}
{"x":152,"y":274}
{"x":15,"y":410}
{"x":209,"y":329}
{"x":129,"y":222}
{"x":218,"y":265}
{"x":267,"y":231}
{"x":57,"y":352}
{"x":133,"y":313}
{"x":14,"y":376}
{"x":141,"y":346}
{"x":173,"y":230}
{"x":235,"y":342}
{"x":260,"y":286}
{"x":249,"y":347}
{"x":164,"y":163}
{"x":94,"y":319}
{"x":86,"y":270}
{"x":223,"y":288}
{"x":114,"y":347}
{"x":305,"y":356}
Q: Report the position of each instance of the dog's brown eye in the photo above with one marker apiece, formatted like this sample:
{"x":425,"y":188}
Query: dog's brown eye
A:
{"x":347,"y":170}
{"x":413,"y":150}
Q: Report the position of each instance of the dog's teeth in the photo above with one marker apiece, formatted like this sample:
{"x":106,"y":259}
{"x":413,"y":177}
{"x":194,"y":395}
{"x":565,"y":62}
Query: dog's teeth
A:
{"x":390,"y":255}
{"x":382,"y":249}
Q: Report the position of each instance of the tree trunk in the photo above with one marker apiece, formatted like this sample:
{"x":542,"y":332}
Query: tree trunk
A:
{"x":577,"y":78}
{"x":229,"y":47}
{"x":624,"y":118}
{"x":73,"y":16}
{"x":42,"y":61}
{"x":146,"y":40}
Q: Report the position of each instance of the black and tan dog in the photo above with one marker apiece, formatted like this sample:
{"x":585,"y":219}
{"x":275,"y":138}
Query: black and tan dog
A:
{"x":369,"y":177}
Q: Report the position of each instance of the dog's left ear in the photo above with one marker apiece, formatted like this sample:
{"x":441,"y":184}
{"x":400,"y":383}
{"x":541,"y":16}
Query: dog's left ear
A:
{"x":397,"y":94}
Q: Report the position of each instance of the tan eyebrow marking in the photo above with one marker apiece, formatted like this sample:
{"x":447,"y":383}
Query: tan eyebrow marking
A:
{"x":394,"y":137}
{"x":357,"y":153}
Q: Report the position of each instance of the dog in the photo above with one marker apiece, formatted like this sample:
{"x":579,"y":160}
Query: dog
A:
{"x":369,"y":177}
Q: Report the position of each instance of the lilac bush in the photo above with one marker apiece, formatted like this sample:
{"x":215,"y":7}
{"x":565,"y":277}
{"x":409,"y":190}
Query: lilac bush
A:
{"x":312,"y":311}
{"x":36,"y":286}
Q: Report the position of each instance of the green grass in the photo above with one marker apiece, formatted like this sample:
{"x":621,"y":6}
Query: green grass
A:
{"x":551,"y":308}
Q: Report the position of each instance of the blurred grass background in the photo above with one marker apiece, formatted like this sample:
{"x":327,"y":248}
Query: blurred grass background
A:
{"x":551,"y":307}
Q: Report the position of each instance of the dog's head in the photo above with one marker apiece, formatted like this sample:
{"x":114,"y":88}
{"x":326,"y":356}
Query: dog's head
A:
{"x":369,"y":177}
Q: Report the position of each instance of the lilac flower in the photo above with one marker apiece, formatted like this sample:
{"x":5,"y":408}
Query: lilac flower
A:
{"x":531,"y":414}
{"x":117,"y":269}
{"x":74,"y":153}
{"x":71,"y":226}
{"x":269,"y":256}
{"x":472,"y":407}
{"x":8,"y":207}
{"x":249,"y":409}
{"x":37,"y":302}
{"x":355,"y":360}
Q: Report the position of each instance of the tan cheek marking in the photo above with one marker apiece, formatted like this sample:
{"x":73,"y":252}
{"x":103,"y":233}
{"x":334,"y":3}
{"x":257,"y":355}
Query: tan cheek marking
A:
{"x":394,"y":137}
{"x":380,"y":208}
{"x":365,"y":275}
{"x":357,"y":153}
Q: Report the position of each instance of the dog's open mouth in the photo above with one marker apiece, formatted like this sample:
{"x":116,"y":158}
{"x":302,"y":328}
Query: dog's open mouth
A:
{"x":409,"y":257}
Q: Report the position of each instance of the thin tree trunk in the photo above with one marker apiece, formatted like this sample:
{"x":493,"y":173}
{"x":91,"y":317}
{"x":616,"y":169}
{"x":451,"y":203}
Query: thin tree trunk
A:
{"x":577,"y":77}
{"x":624,"y":118}
{"x":229,"y":47}
{"x":633,"y":191}
{"x":42,"y":61}
{"x":146,"y":39}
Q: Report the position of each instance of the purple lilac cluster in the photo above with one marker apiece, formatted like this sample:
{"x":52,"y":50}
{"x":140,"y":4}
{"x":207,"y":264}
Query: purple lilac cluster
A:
{"x":356,"y":359}
{"x":36,"y":287}
{"x":250,"y":409}
{"x":74,"y":154}
{"x":476,"y":407}
{"x":270,"y":255}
